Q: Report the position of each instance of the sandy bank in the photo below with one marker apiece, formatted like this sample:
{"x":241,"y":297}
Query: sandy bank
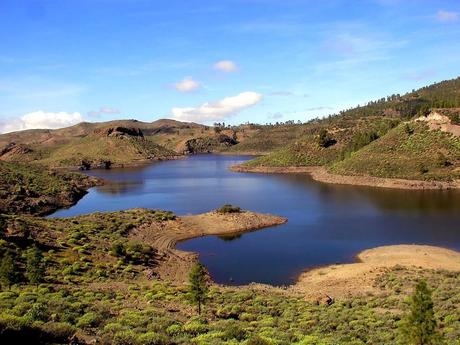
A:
{"x":322,"y":175}
{"x":358,"y":278}
{"x":174,"y":264}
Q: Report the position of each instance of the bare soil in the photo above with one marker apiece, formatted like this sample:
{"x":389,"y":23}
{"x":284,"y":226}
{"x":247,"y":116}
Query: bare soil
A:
{"x":347,"y":280}
{"x":174,"y":265}
{"x":322,"y":175}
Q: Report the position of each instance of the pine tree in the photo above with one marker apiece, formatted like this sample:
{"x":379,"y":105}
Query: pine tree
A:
{"x":419,"y":327}
{"x":7,"y":271}
{"x":35,"y":266}
{"x":198,"y":286}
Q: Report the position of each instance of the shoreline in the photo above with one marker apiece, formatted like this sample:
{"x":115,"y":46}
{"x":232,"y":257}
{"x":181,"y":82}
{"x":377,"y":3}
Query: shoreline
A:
{"x":358,"y":278}
{"x":174,"y":264}
{"x":320,"y":174}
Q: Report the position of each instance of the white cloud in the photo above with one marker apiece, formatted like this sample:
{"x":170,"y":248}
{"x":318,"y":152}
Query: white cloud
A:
{"x":187,"y":85}
{"x":226,"y":66}
{"x":446,"y":16}
{"x":218,"y":110}
{"x":41,"y":119}
{"x":103,"y":110}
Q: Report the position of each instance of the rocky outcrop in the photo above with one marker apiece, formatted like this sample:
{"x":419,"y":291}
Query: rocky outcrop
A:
{"x":119,"y":132}
{"x":13,"y":149}
{"x":446,"y":120}
{"x":208,"y":144}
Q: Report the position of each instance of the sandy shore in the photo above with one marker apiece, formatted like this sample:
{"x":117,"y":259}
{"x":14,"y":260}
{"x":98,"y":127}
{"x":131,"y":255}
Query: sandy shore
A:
{"x":322,"y":175}
{"x":345,"y":280}
{"x":173,"y":264}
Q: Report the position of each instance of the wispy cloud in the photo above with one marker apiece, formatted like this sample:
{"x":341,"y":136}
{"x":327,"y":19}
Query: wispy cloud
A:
{"x":187,"y":85}
{"x":421,"y":75}
{"x":102,"y":111}
{"x":217,"y":110}
{"x":346,"y":50}
{"x":142,"y":68}
{"x":275,"y":116}
{"x":284,"y":27}
{"x":281,"y":93}
{"x":447,"y":16}
{"x":32,"y":88}
{"x":319,"y":108}
{"x":226,"y":66}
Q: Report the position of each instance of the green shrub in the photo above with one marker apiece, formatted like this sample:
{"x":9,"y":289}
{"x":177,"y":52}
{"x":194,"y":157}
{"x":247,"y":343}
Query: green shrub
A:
{"x":90,"y":319}
{"x":227,"y":208}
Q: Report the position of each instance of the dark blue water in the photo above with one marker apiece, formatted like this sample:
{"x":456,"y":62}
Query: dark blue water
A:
{"x":327,"y":223}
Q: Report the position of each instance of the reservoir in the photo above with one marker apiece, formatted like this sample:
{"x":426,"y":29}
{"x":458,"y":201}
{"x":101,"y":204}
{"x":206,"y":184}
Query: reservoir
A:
{"x":327,"y":223}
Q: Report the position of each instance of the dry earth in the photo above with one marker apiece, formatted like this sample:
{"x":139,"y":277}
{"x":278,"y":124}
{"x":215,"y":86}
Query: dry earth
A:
{"x":322,"y":175}
{"x":173,"y":264}
{"x":342,"y":281}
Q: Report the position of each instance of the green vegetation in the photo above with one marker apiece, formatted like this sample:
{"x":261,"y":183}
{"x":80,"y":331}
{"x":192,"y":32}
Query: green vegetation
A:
{"x":419,"y":327}
{"x":35,"y":265}
{"x":363,"y":141}
{"x":409,"y":151}
{"x":227,"y":208}
{"x":198,"y":285}
{"x":346,"y":135}
{"x":96,"y":150}
{"x":445,"y":94}
{"x":7,"y":270}
{"x":36,"y":189}
{"x":325,"y":139}
{"x":96,"y":284}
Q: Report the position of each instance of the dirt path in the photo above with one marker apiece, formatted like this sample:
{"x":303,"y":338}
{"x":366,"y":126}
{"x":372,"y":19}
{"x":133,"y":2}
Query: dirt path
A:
{"x":354,"y":279}
{"x":173,"y":264}
{"x":322,"y":175}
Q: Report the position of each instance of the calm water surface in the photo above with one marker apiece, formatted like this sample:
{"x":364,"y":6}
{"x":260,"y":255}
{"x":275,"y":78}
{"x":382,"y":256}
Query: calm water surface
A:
{"x":327,"y":223}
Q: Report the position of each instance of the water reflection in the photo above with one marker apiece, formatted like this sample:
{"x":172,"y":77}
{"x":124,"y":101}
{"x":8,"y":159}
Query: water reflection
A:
{"x":327,"y":223}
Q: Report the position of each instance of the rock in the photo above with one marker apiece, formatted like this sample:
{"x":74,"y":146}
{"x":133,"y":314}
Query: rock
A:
{"x":325,"y":300}
{"x":14,"y":149}
{"x":119,"y":132}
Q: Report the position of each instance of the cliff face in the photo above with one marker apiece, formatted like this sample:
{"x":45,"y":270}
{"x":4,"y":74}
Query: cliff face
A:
{"x":119,"y":132}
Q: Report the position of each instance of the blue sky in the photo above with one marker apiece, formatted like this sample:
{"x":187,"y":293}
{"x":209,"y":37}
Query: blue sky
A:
{"x":207,"y":61}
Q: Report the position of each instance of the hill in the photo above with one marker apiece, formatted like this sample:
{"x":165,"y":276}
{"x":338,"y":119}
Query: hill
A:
{"x":325,"y":142}
{"x":26,"y":188}
{"x":410,"y":151}
{"x":104,"y":144}
{"x":363,"y":141}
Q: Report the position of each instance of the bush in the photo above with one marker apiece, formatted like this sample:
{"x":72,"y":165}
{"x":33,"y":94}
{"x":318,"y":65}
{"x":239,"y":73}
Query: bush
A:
{"x":133,"y":251}
{"x":325,"y":139}
{"x":152,"y":338}
{"x":227,"y":208}
{"x":88,"y":320}
{"x":58,"y":331}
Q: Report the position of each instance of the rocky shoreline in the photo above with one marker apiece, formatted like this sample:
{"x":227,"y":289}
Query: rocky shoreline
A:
{"x":320,"y":174}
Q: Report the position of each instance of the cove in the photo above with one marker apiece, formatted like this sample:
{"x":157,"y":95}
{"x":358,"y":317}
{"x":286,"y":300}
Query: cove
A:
{"x":327,"y":223}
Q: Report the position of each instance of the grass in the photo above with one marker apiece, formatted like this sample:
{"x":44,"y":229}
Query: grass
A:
{"x":410,"y":151}
{"x":97,"y":149}
{"x":33,"y":188}
{"x":90,"y":290}
{"x":307,"y":151}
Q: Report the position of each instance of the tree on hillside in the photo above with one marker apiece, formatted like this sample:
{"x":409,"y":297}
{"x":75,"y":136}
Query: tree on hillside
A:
{"x":419,"y":326}
{"x":325,"y":139}
{"x":7,"y":271}
{"x":35,"y":265}
{"x":198,"y":286}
